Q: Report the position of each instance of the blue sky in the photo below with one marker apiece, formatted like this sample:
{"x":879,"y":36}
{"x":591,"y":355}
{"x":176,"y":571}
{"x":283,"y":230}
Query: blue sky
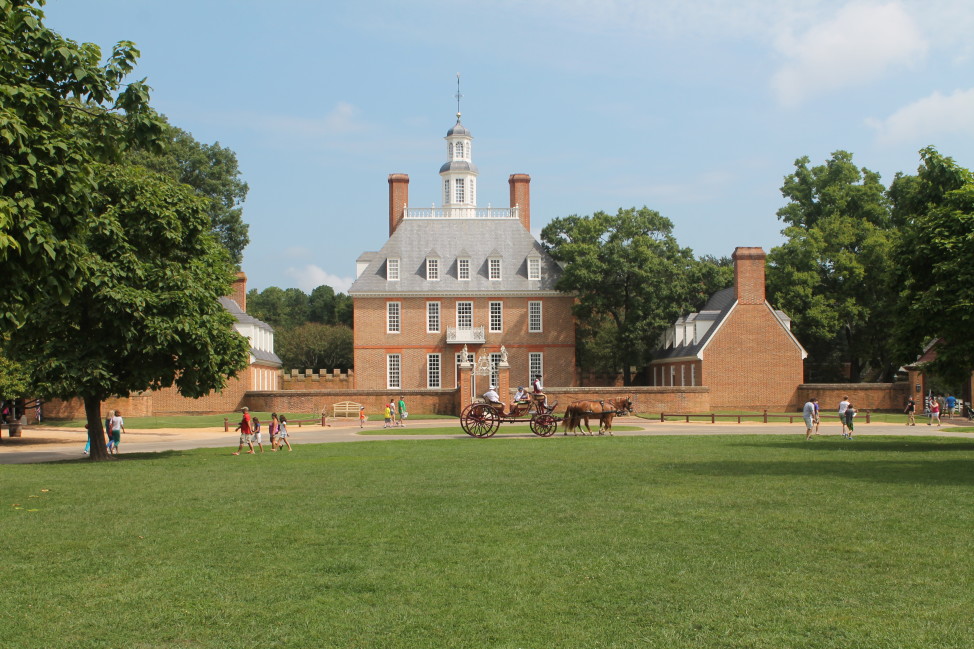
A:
{"x":696,"y":109}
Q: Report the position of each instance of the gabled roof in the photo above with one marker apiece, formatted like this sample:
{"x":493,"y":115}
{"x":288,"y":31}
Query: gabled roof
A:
{"x":717,"y":308}
{"x":243,"y":318}
{"x":453,"y":238}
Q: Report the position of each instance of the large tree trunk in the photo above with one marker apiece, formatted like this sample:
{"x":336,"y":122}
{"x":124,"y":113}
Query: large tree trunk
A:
{"x":96,"y":433}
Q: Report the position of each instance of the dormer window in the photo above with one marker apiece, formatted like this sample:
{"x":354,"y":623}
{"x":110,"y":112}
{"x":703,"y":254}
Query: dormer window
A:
{"x":494,"y":268}
{"x":534,"y":268}
{"x":432,"y":268}
{"x":392,"y":269}
{"x":463,"y":269}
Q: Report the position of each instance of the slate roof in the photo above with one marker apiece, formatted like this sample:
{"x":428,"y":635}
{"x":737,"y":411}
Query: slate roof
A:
{"x":475,"y":239}
{"x":243,"y":318}
{"x":716,"y":309}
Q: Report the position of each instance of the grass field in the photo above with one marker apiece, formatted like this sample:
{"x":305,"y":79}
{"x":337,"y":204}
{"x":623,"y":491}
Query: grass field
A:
{"x":728,"y":541}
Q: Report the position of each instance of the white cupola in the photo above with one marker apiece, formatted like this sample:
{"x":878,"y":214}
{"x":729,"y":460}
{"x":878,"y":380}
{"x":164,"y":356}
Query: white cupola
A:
{"x":459,"y":173}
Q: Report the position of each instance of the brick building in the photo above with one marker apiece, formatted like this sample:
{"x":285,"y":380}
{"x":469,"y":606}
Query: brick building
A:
{"x":459,"y":278}
{"x":738,"y":346}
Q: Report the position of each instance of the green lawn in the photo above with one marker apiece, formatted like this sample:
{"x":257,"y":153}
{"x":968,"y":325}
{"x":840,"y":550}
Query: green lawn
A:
{"x":588,"y":542}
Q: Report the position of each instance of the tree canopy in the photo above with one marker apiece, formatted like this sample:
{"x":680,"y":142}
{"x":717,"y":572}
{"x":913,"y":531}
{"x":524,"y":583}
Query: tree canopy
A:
{"x":834,"y":274}
{"x":146,"y":313}
{"x":631,"y":277}
{"x":212,"y":171}
{"x":936,"y":249}
{"x":62,"y":111}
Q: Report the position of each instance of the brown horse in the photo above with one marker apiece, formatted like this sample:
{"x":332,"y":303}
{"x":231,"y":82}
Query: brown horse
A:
{"x":604,"y":410}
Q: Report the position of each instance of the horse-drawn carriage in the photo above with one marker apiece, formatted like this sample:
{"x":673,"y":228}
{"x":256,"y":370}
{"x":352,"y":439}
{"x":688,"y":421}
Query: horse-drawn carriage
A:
{"x":483,"y":419}
{"x":603,"y":410}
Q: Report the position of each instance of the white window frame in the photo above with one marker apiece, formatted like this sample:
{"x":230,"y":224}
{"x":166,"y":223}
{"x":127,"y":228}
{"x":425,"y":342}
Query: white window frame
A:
{"x":446,"y":190}
{"x":432,"y":269}
{"x":393,"y":317}
{"x":458,"y":190}
{"x":494,"y":269}
{"x":535,"y":317}
{"x":394,"y":371}
{"x":433,"y":317}
{"x":464,"y":313}
{"x":495,"y":361}
{"x":535,"y":365}
{"x":463,"y":269}
{"x":683,"y":375}
{"x":434,"y":371}
{"x":496,"y":317}
{"x":392,"y":269}
{"x":693,"y":374}
{"x":534,"y":268}
{"x":672,"y":375}
{"x":458,"y":151}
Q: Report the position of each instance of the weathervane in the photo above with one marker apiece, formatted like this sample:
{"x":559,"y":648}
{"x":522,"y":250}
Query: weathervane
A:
{"x":458,"y":96}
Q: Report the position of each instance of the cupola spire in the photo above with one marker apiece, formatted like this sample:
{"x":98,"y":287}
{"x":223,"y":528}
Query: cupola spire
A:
{"x":459,"y":173}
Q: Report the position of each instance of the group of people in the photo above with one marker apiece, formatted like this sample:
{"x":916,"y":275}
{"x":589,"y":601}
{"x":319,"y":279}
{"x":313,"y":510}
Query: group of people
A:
{"x":521,"y":397}
{"x":394,"y":415}
{"x":250,"y":433}
{"x":114,"y":427}
{"x":813,"y":418}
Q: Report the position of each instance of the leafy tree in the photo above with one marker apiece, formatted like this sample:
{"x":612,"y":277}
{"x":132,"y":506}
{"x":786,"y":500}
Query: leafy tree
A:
{"x":711,"y":274}
{"x":315,"y":346}
{"x":212,"y":171}
{"x":629,"y":272}
{"x":833,"y":275}
{"x":936,"y":246}
{"x":267,"y":305}
{"x":146,"y":313}
{"x":61,"y":113}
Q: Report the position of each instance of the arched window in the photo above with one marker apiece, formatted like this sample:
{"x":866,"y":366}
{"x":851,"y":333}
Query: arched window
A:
{"x":458,"y":151}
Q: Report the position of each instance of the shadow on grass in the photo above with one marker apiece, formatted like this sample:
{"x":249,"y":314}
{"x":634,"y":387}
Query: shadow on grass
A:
{"x":871,"y":445}
{"x":946,"y":472}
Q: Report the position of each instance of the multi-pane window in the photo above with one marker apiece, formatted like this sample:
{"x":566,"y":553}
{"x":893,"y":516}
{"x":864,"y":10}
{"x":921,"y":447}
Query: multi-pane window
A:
{"x":393,"y":317}
{"x":693,"y":375}
{"x":464,"y":315}
{"x":463,"y":268}
{"x":494,"y":268}
{"x":458,"y":149}
{"x":458,"y":190}
{"x":472,"y":191}
{"x":495,"y":360}
{"x":432,"y":370}
{"x":535,"y":365}
{"x":393,"y":371}
{"x":432,"y":268}
{"x":534,"y":268}
{"x":496,"y":316}
{"x":392,"y":269}
{"x":446,"y":190}
{"x":432,"y":317}
{"x":683,"y":375}
{"x":534,"y":317}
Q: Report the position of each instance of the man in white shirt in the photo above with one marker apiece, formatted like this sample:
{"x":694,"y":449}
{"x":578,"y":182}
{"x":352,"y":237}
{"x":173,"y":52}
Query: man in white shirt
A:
{"x":494,"y":399}
{"x":843,"y":406}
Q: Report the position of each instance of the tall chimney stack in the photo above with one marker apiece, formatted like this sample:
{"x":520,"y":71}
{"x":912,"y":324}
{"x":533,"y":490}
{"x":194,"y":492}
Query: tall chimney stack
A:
{"x":238,"y":290}
{"x":521,"y":197}
{"x":749,"y":275}
{"x":398,"y":199}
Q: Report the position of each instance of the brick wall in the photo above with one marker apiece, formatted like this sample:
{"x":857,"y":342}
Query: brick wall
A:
{"x":556,"y":341}
{"x":520,"y":186}
{"x":311,"y":380}
{"x":865,"y":396}
{"x":752,"y":363}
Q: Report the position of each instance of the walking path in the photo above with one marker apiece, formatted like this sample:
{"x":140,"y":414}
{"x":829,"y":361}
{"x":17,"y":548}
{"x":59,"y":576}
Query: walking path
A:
{"x":45,"y":444}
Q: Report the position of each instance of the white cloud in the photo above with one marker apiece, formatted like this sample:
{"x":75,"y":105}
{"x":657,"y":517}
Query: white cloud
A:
{"x":342,"y":120}
{"x":928,"y":117}
{"x":863,"y":41}
{"x":307,"y":278}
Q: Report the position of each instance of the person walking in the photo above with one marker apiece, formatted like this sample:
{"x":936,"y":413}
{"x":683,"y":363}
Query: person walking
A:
{"x":272,"y":429}
{"x":808,"y":414}
{"x":950,"y":404}
{"x":255,"y":427}
{"x":282,"y":434}
{"x":117,"y":426}
{"x":842,"y":408}
{"x":850,"y":412}
{"x":911,"y":408}
{"x":934,"y":412}
{"x":246,"y":436}
{"x":361,"y":416}
{"x":108,"y":431}
{"x":387,"y":416}
{"x":401,"y":411}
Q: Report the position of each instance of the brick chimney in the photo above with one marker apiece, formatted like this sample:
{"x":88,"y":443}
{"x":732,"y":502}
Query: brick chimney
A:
{"x":521,"y":197}
{"x":398,"y":199}
{"x":749,"y":275}
{"x":238,"y":290}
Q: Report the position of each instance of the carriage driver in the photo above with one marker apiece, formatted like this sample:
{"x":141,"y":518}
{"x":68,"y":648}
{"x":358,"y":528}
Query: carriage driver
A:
{"x":539,"y":395}
{"x":494,"y":399}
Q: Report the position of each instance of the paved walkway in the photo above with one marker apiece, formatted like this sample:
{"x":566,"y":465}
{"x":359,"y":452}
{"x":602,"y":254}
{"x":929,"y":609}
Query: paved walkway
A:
{"x":43,"y":444}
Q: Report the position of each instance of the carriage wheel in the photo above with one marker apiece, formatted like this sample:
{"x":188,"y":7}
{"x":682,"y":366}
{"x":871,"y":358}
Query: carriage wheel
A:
{"x":544,"y":425}
{"x":479,"y":420}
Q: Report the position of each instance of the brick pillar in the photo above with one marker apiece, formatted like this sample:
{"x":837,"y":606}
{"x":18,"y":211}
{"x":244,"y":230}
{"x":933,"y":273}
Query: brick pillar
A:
{"x":504,"y":384}
{"x":521,"y":197}
{"x":749,"y":275}
{"x":238,"y":291}
{"x":398,"y":199}
{"x":464,"y":385}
